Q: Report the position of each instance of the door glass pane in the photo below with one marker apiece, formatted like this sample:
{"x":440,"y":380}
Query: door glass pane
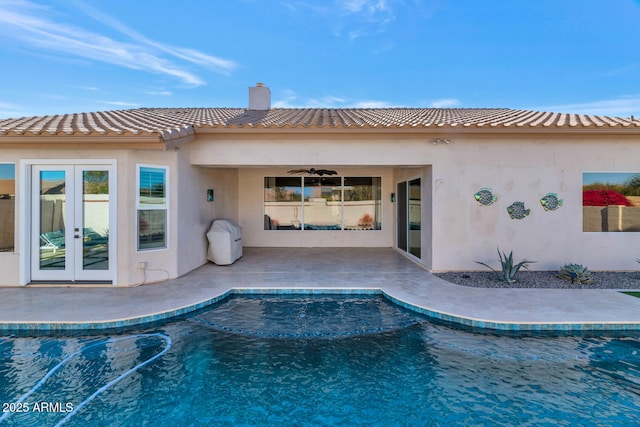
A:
{"x":322,"y":203}
{"x":52,"y":220}
{"x":415,"y":218}
{"x":95,"y":220}
{"x":282,"y":203}
{"x":7,"y":206}
{"x":362,"y":203}
{"x":401,"y":203}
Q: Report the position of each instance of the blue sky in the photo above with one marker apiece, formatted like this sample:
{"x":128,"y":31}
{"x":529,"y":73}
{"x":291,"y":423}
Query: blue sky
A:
{"x":607,"y":177}
{"x":576,"y":56}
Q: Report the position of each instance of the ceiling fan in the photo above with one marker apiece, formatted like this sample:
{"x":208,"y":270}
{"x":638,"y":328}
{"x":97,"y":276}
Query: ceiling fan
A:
{"x":314,"y":171}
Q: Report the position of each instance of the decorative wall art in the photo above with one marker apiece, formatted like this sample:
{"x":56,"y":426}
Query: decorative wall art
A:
{"x":485,"y":197}
{"x":518,"y":211}
{"x":551,"y":202}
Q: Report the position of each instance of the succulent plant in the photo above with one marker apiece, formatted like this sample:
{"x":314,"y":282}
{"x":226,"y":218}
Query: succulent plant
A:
{"x":576,"y":273}
{"x":509,"y":270}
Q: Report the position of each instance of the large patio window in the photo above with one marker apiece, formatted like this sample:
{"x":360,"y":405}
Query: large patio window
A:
{"x":7,"y":207}
{"x":611,"y":202}
{"x":152,"y":203}
{"x":322,"y":203}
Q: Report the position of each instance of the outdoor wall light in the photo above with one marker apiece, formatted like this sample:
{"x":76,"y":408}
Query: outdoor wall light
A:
{"x":441,"y":141}
{"x":393,"y":197}
{"x":209,"y":194}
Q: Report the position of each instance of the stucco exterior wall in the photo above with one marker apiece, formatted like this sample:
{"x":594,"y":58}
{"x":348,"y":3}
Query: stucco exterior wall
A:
{"x":455,"y":232}
{"x":161,"y":264}
{"x":195,"y":213}
{"x":525,"y":170}
{"x":517,"y":168}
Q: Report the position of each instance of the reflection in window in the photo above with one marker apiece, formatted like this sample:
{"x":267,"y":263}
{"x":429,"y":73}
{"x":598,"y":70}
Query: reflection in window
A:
{"x":610,"y":202}
{"x":362,"y":203}
{"x":152,"y":186}
{"x":7,"y":206}
{"x":322,"y":203}
{"x":152,"y":208}
{"x":282,"y":203}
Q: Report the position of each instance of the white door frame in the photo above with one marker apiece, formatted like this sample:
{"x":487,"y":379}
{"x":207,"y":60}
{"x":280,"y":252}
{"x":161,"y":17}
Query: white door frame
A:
{"x":27,"y":200}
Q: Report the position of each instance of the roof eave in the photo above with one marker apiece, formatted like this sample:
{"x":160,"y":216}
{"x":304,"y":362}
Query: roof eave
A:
{"x":427,"y":129}
{"x":153,"y":142}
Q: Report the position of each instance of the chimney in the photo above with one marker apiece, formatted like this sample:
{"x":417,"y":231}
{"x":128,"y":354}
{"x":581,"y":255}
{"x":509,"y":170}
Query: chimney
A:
{"x":259,"y":97}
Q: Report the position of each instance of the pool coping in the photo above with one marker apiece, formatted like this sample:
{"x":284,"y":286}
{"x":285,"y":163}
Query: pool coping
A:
{"x":450,"y":318}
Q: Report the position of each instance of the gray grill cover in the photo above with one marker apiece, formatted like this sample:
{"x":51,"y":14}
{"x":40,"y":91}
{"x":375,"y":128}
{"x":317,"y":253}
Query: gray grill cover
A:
{"x":225,"y":242}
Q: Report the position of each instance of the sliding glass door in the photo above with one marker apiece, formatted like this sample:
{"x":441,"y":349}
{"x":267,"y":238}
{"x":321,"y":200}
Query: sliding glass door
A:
{"x":409,"y":217}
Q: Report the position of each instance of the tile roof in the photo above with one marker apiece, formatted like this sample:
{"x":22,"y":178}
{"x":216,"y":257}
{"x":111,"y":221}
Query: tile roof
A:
{"x":173,"y":123}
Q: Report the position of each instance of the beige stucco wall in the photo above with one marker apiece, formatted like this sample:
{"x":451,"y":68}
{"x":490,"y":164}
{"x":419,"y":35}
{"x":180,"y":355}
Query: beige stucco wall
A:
{"x":525,"y":170}
{"x":195,"y":213}
{"x":161,"y":263}
{"x":522,"y":168}
{"x":455,"y":230}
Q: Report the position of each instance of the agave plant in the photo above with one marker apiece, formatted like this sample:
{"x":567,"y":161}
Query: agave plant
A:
{"x":576,"y":273}
{"x":510,"y":270}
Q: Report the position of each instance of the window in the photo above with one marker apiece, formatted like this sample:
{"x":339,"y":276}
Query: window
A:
{"x":152,"y":202}
{"x":322,"y":203}
{"x":611,"y":202}
{"x":7,"y":206}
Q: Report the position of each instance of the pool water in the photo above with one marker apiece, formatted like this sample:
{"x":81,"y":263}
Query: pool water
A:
{"x":320,"y":361}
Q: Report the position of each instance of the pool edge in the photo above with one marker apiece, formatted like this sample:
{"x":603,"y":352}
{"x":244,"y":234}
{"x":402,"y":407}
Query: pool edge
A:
{"x":454,"y":319}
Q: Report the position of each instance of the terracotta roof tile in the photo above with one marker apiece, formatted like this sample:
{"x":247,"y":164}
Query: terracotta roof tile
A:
{"x":171,"y":123}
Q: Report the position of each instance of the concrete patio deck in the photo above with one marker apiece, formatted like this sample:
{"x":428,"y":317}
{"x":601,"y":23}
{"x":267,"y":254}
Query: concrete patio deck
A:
{"x":352,"y":270}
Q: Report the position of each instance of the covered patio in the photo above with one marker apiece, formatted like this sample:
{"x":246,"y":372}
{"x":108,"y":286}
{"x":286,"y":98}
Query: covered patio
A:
{"x":317,"y":270}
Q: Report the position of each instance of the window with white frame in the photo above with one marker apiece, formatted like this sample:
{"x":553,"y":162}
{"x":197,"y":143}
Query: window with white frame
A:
{"x":152,"y":205}
{"x":322,"y":203}
{"x":7,"y":206}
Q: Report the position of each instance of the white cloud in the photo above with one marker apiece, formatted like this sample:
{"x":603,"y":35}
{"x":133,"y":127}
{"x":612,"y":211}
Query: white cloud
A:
{"x":120,"y":103}
{"x":373,"y":104}
{"x":292,"y":100}
{"x":621,"y":107}
{"x":364,"y":6}
{"x":30,"y":24}
{"x":160,"y":93}
{"x":444,"y":103}
{"x":351,"y":18}
{"x":8,"y":109}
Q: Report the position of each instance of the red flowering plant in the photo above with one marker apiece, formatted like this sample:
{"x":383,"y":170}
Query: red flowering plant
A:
{"x":604,"y":198}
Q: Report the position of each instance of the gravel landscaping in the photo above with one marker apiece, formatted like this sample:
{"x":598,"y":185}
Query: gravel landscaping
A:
{"x":543,"y":279}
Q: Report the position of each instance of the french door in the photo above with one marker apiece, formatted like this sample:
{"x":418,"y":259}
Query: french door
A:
{"x":409,"y":217}
{"x":71,"y":217}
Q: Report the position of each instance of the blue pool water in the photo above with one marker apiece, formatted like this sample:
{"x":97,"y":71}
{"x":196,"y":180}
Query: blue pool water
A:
{"x":318,"y":361}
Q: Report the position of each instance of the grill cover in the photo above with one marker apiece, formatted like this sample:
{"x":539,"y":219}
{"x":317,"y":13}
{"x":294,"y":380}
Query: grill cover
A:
{"x":225,"y":242}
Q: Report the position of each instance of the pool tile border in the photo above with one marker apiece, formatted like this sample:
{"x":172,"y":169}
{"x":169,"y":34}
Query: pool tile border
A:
{"x":8,"y":327}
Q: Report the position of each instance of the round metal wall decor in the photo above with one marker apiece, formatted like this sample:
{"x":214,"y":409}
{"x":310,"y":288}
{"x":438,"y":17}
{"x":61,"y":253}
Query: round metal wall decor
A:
{"x":518,"y":211}
{"x":485,"y":197}
{"x":551,"y":202}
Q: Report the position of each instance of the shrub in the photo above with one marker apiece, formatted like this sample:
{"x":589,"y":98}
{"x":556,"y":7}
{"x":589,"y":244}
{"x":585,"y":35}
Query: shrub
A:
{"x":576,"y":273}
{"x":604,"y":198}
{"x":509,"y":271}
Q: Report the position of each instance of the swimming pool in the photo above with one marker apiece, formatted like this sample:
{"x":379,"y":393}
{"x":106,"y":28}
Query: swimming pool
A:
{"x":318,"y":361}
